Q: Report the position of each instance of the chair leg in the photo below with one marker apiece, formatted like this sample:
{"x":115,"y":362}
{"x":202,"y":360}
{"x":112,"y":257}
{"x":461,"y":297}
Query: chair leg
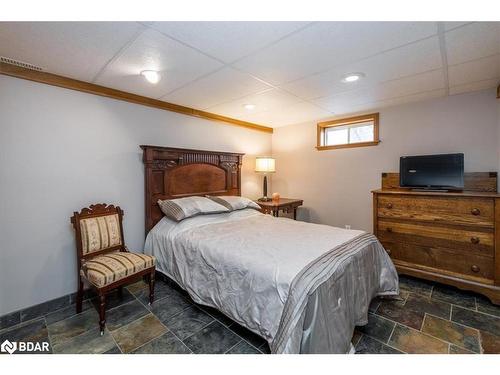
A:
{"x":102,"y":312}
{"x":151,"y":287}
{"x":79,"y":295}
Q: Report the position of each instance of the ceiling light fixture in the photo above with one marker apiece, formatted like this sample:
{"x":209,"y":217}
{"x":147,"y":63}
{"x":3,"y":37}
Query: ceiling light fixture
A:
{"x":250,"y":107}
{"x":352,"y":77}
{"x":152,"y":76}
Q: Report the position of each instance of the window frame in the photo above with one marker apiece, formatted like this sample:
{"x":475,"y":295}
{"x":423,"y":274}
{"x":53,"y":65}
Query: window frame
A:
{"x":322,"y":126}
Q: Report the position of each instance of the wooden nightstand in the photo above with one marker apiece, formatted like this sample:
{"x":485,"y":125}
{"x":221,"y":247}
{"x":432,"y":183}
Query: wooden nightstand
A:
{"x":283,"y":204}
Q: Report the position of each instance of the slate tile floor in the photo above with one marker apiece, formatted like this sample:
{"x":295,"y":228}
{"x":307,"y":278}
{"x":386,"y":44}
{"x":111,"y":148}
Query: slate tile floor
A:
{"x":173,"y":325}
{"x":430,"y":318}
{"x":426,"y":318}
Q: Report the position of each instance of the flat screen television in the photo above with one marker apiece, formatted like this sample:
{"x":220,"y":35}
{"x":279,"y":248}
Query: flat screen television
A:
{"x":436,"y":172}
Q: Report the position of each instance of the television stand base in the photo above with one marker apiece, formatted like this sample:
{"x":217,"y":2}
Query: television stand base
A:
{"x":431,"y":190}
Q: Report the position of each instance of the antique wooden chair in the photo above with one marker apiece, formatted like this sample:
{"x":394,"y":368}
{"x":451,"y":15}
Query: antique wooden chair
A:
{"x":103,"y":259}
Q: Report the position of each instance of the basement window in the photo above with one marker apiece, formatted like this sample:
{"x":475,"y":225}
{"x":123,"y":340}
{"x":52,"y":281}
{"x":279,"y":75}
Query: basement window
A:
{"x":356,"y":131}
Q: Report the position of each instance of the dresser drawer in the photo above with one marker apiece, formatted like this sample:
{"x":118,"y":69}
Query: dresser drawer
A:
{"x":465,"y":241}
{"x":441,"y":259}
{"x":451,"y":210}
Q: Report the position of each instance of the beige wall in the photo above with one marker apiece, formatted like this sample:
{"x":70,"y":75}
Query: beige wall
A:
{"x":61,"y":150}
{"x":336,"y":184}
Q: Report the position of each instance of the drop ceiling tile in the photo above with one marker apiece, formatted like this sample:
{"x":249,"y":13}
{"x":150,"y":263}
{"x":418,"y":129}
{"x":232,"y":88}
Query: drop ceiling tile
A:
{"x":228,"y":41}
{"x":72,"y":49}
{"x":388,"y":90}
{"x":222,"y":86}
{"x":177,"y":64}
{"x":476,"y":70}
{"x":269,"y":100}
{"x":328,"y":44}
{"x":479,"y":39}
{"x":475,"y":86}
{"x":435,"y":93}
{"x":292,"y":114}
{"x":408,"y":60}
{"x":411,"y":85}
{"x":373,"y":106}
{"x":454,"y":25}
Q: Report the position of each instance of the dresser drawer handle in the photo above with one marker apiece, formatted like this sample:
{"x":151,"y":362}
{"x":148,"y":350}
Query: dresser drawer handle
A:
{"x":389,"y":205}
{"x":475,"y":211}
{"x":389,"y":230}
{"x":475,"y":268}
{"x":475,"y":240}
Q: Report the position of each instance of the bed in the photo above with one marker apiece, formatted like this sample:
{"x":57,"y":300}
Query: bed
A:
{"x":303,"y":287}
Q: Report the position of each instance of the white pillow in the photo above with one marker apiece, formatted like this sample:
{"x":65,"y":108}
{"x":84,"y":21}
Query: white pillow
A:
{"x":234,"y":203}
{"x":182,"y":208}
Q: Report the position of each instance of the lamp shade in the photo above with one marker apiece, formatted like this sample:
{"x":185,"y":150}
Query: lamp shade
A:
{"x":265,"y":164}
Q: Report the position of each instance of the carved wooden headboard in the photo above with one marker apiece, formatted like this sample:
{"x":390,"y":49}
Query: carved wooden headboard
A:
{"x":176,"y":173}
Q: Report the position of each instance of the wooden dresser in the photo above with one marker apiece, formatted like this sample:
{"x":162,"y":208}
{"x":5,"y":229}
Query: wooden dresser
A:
{"x":448,"y":237}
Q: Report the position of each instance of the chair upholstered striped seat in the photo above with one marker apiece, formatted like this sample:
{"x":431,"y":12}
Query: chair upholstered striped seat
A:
{"x":105,"y":269}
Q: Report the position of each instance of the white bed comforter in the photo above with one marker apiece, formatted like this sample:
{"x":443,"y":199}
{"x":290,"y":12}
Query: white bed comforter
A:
{"x":243,"y":263}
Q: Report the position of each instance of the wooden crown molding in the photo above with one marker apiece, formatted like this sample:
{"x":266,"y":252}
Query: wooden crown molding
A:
{"x":90,"y":88}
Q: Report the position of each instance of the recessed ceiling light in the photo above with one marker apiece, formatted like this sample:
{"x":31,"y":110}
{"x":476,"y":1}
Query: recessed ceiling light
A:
{"x":249,"y":106}
{"x":352,"y":77}
{"x":152,"y":76}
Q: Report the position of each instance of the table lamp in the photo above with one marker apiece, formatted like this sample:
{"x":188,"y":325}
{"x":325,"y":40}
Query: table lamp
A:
{"x":265,"y":164}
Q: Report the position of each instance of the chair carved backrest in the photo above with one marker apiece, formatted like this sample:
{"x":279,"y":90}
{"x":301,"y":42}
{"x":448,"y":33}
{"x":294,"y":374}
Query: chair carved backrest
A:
{"x":98,"y":230}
